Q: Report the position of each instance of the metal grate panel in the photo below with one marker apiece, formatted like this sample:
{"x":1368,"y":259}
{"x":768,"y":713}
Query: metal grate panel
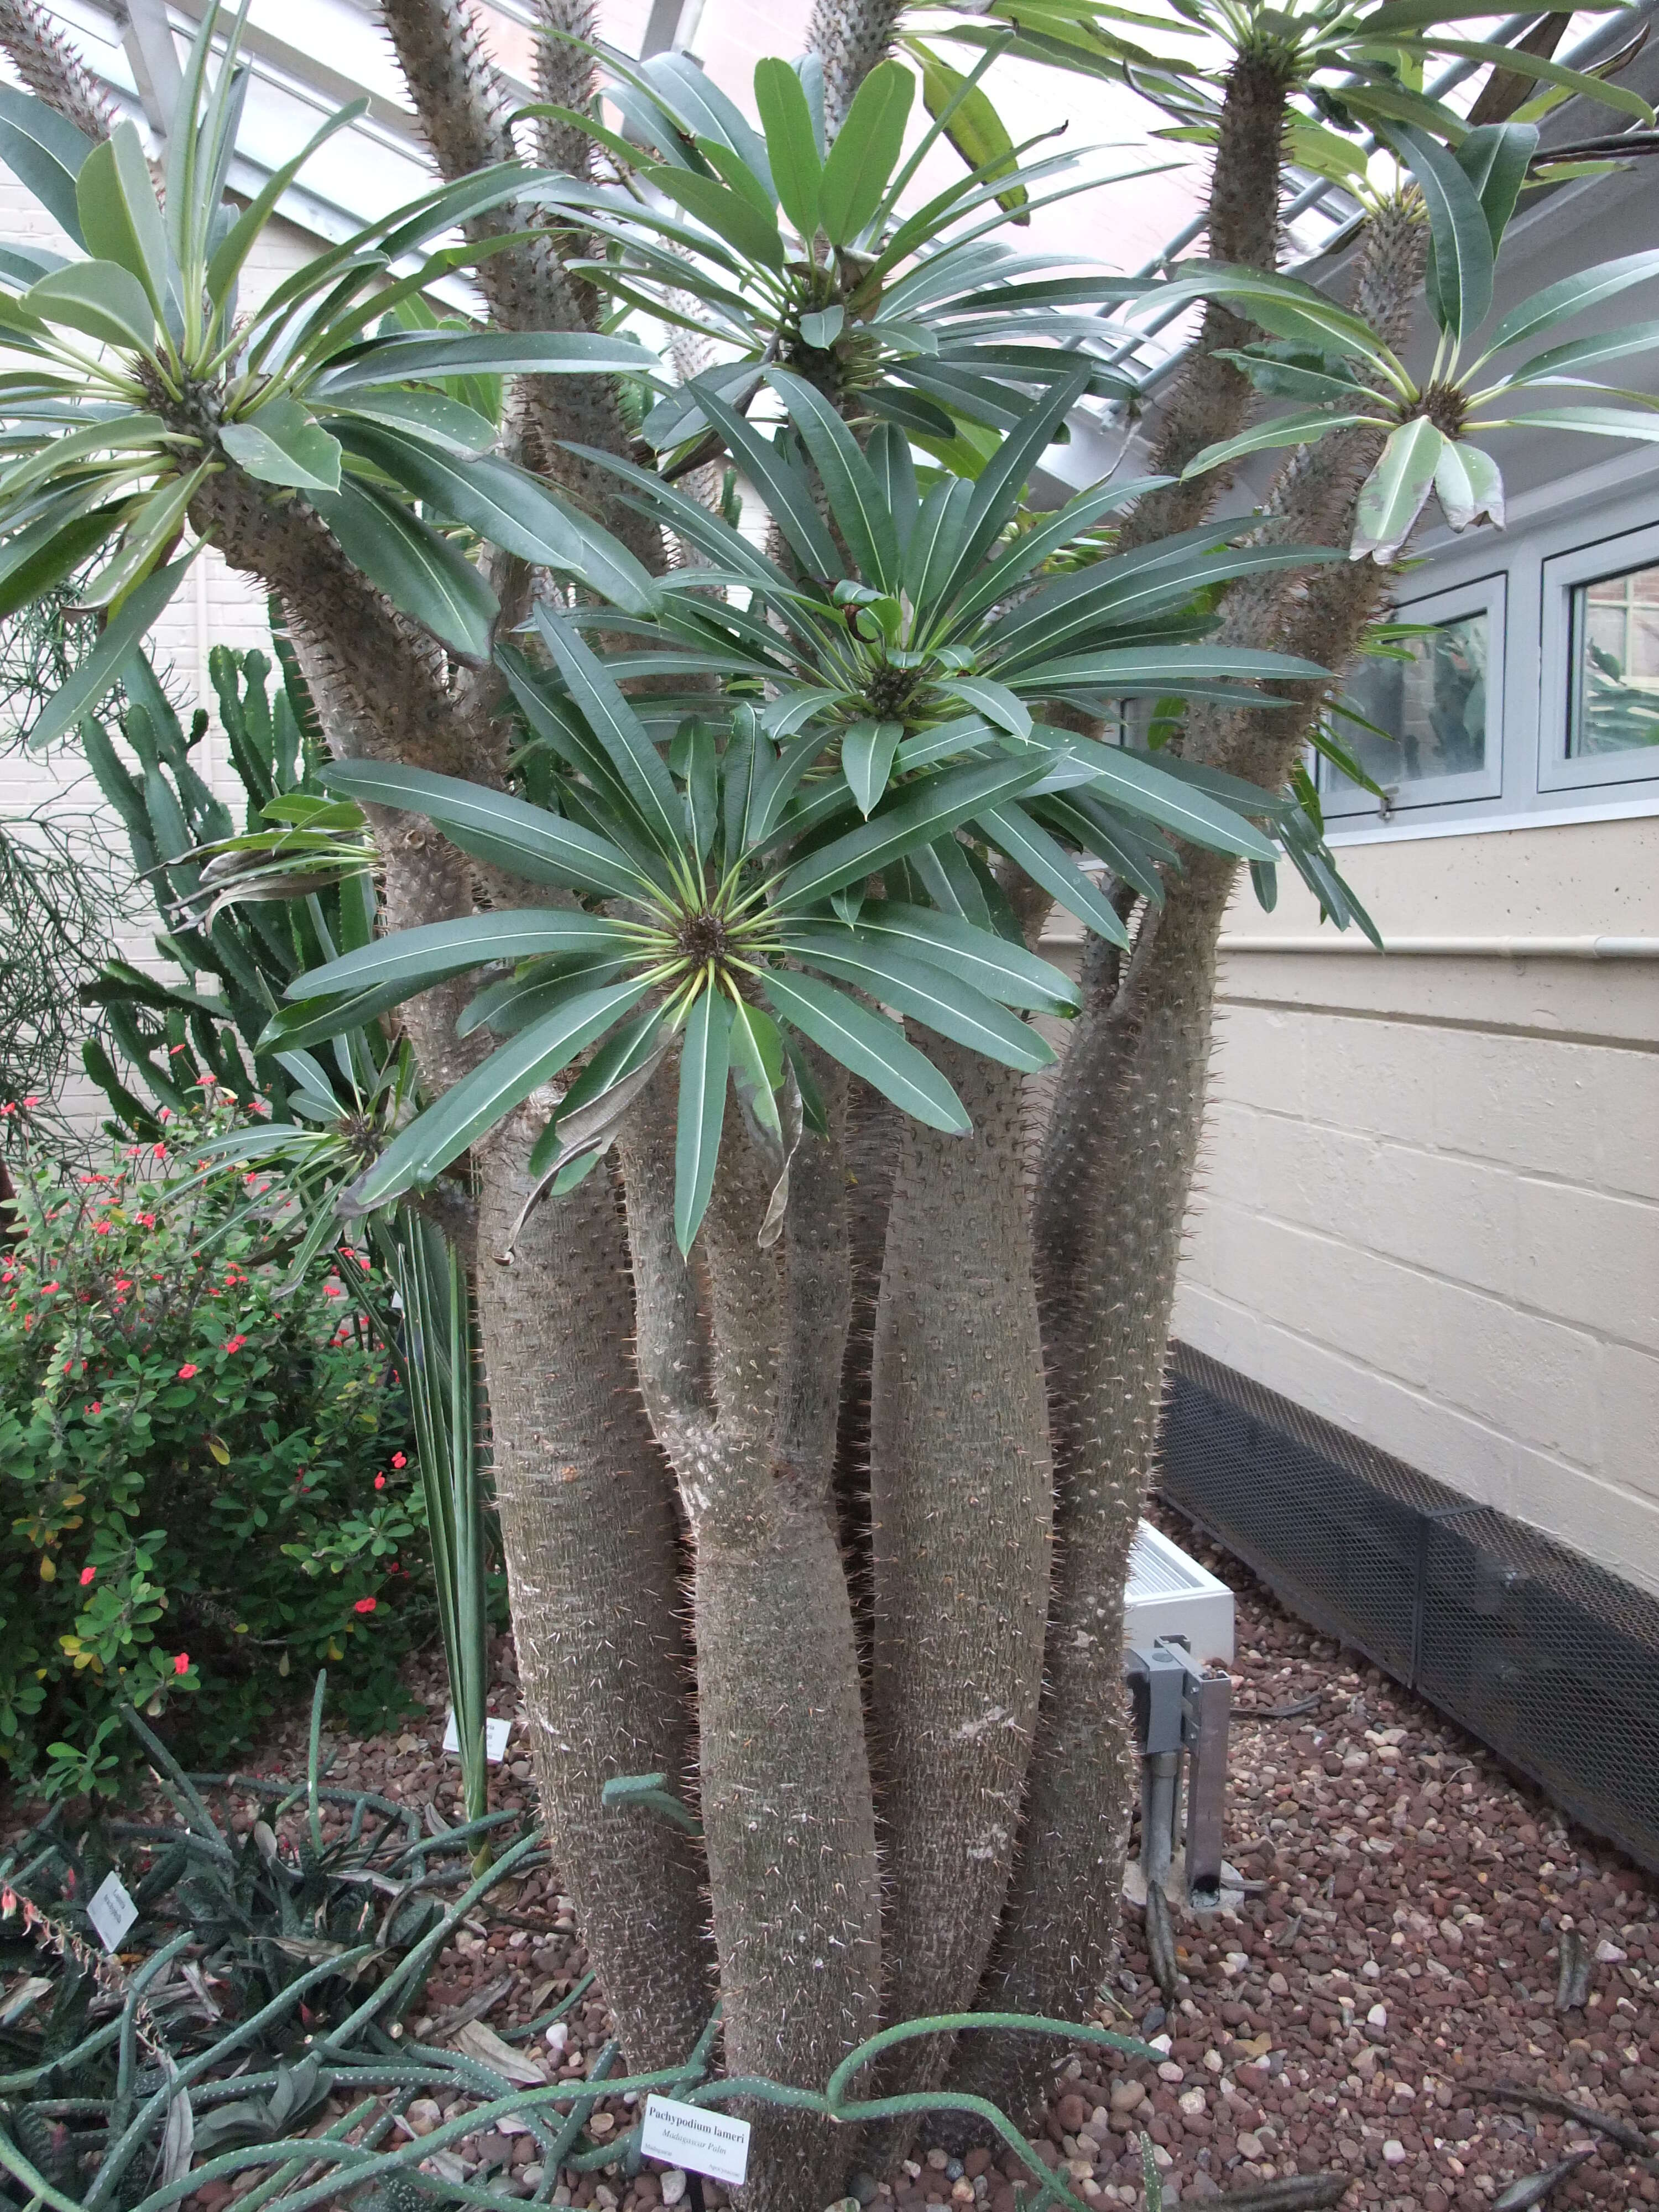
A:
{"x":1547,"y":1658}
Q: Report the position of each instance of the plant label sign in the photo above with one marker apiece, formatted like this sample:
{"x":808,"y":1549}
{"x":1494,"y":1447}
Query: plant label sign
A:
{"x":111,"y":1912}
{"x":688,"y":2135}
{"x":496,"y":1735}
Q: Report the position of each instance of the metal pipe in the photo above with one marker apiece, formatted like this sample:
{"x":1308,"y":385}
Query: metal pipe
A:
{"x":1458,"y":948}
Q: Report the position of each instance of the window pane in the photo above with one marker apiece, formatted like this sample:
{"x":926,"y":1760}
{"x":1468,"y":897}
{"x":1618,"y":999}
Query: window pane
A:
{"x":1615,"y":663}
{"x":1432,"y":704}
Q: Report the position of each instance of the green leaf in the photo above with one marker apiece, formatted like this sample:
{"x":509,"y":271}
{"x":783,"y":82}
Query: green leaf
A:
{"x":994,"y":966}
{"x":849,"y":482}
{"x":472,"y":1107}
{"x":1463,"y":244}
{"x":1572,"y":295}
{"x":431,"y":954}
{"x":1469,"y":486}
{"x":431,"y":416}
{"x":431,"y":357}
{"x":1131,"y":781}
{"x":420,"y":572}
{"x":998,"y":705}
{"x":292,"y":1029}
{"x":1552,"y":365}
{"x":36,"y":560}
{"x":514,"y":1002}
{"x":1598,"y":422}
{"x":492,"y":825}
{"x":870,"y":1047}
{"x":1001,"y":484}
{"x":731,"y":215}
{"x":1494,"y":158}
{"x":153,"y":529}
{"x":232,"y":249}
{"x":788,"y":497}
{"x":103,"y":666}
{"x":507,"y":506}
{"x":625,"y":739}
{"x":824,"y":327}
{"x":920,"y":813}
{"x":705,"y":1056}
{"x":1304,"y":427}
{"x":866,"y":151}
{"x":867,"y":759}
{"x":791,"y":145}
{"x":1392,"y":496}
{"x":45,"y":153}
{"x":280,"y":444}
{"x":589,"y":1111}
{"x":98,"y":297}
{"x":973,"y":125}
{"x":1543,"y":71}
{"x":925,"y":991}
{"x":1026,"y":843}
{"x":120,"y":221}
{"x":758,"y":1064}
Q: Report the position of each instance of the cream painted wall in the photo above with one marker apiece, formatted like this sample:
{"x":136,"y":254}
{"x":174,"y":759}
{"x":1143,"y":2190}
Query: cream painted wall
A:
{"x":1430,"y":1191}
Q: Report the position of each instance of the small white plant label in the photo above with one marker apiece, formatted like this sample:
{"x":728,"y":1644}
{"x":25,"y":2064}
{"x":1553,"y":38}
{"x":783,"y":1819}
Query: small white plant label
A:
{"x":686,"y":2135}
{"x":496,"y":1735}
{"x":111,"y":1912}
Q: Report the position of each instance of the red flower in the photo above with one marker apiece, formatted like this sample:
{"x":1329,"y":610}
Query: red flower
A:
{"x":87,"y":1574}
{"x":333,"y":1289}
{"x":365,"y":1605}
{"x":181,"y":1662}
{"x":397,"y":1460}
{"x":185,"y":1374}
{"x":102,"y":1228}
{"x":379,"y":1482}
{"x":96,"y":1407}
{"x":149,"y":1220}
{"x":234,"y":1343}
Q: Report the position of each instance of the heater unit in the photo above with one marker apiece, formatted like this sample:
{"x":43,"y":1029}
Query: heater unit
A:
{"x":1177,"y":1645}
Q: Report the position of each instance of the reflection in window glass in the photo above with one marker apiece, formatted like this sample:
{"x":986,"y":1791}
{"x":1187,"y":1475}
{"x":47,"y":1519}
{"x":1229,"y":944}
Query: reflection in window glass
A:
{"x":1615,"y":663}
{"x":1431,"y":703}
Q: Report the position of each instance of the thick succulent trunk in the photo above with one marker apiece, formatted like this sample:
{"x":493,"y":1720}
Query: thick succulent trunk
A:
{"x":849,"y":36}
{"x":564,"y":78}
{"x":1115,"y":1176}
{"x":787,"y":1808}
{"x":588,"y":1526}
{"x":961,"y":1510}
{"x":463,"y":107}
{"x":1211,"y":398}
{"x":52,"y":70}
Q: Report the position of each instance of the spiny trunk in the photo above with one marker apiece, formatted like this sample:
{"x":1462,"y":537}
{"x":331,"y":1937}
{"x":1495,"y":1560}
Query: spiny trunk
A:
{"x":849,"y":36}
{"x":961,"y":1507}
{"x":870,"y":1150}
{"x":463,"y":107}
{"x":564,"y":78}
{"x":52,"y":70}
{"x":587,"y":1524}
{"x":1115,"y":1178}
{"x":1212,"y":399}
{"x":786,"y":1802}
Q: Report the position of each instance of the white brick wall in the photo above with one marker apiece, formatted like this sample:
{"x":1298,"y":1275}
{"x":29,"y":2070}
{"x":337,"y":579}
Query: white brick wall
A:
{"x":1429,"y":1205}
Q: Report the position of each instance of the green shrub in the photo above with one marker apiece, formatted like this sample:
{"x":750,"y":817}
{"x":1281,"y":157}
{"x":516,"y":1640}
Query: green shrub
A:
{"x":204,"y":1471}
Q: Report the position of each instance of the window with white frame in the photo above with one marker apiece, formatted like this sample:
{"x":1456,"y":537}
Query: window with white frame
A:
{"x":1600,"y":724}
{"x":1427,"y":718}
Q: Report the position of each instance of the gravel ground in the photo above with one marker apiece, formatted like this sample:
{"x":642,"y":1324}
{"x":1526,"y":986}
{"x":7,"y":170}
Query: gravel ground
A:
{"x":1396,"y":1954}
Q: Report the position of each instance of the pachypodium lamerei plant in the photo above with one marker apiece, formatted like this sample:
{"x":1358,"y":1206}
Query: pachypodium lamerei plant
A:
{"x":776,"y":247}
{"x":898,"y":745}
{"x":140,"y":382}
{"x":1321,"y":353}
{"x":1013,"y":1320}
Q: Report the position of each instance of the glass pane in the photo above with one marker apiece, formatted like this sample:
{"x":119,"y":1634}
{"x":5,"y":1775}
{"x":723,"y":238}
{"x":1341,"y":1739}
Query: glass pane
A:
{"x":1431,"y":703}
{"x":1615,"y":664}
